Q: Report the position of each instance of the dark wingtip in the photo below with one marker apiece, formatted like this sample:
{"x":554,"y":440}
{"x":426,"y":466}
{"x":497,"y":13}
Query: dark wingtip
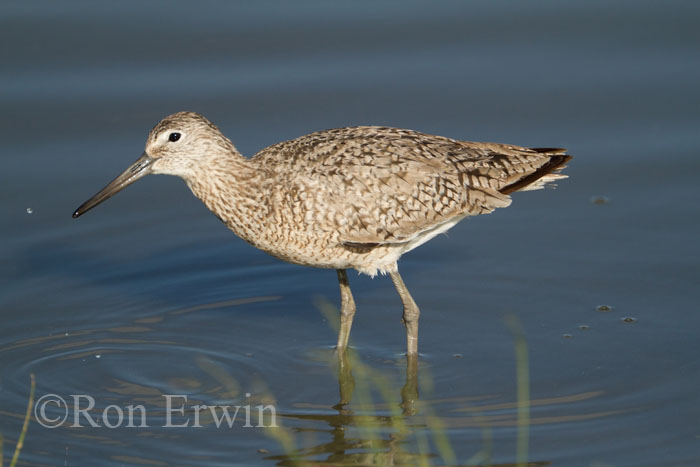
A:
{"x":549,"y":150}
{"x":555,"y":164}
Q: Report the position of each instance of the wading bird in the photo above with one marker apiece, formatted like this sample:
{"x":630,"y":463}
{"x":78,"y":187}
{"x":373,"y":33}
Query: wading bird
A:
{"x":357,"y":197}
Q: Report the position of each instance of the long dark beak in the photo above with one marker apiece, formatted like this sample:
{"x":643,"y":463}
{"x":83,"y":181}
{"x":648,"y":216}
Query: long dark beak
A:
{"x":140,"y":168}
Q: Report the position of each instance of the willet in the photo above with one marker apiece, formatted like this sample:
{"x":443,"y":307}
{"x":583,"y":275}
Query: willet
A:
{"x":357,"y":197}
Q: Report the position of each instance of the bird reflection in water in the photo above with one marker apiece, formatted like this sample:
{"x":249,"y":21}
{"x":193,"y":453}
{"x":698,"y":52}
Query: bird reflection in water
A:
{"x":358,"y":435}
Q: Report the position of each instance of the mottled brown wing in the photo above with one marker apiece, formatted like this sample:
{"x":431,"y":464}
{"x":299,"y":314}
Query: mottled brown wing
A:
{"x":383,"y":185}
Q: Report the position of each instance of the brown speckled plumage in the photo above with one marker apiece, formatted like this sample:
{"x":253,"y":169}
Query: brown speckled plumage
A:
{"x":345,"y":198}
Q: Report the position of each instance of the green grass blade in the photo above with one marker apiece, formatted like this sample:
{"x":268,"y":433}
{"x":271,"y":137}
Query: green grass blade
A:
{"x":523,"y":391}
{"x":27,"y":416}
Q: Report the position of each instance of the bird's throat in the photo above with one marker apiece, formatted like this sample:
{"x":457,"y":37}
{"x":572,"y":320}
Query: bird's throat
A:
{"x":234,"y":193}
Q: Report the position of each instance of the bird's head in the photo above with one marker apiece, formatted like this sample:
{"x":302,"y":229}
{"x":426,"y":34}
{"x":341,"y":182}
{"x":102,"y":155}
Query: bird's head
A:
{"x":177,"y":145}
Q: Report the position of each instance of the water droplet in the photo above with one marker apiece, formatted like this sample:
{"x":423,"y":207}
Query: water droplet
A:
{"x":629,"y":319}
{"x":30,"y":210}
{"x":604,"y":308}
{"x":584,"y":327}
{"x":98,"y":356}
{"x":600,"y":200}
{"x":567,"y":336}
{"x":247,"y":394}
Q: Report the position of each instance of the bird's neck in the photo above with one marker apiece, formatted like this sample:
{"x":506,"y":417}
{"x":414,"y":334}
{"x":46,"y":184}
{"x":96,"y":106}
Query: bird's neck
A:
{"x":230,"y":186}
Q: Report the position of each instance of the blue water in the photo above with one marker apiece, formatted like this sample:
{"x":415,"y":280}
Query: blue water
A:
{"x":150,"y":295}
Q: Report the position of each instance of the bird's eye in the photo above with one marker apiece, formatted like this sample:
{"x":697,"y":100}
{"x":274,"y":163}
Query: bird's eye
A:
{"x":174,"y":137}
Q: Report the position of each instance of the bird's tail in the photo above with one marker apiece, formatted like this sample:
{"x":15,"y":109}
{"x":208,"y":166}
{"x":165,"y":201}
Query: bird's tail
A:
{"x":546,"y":173}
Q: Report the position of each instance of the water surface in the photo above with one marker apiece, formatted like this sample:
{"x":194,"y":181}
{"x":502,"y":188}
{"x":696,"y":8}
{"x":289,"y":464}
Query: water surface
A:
{"x":150,"y":295}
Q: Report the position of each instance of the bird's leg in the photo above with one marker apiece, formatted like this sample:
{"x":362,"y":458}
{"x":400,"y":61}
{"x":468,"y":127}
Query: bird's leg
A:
{"x":346,"y":382}
{"x":347,"y":311}
{"x":410,"y":313}
{"x":409,"y":391}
